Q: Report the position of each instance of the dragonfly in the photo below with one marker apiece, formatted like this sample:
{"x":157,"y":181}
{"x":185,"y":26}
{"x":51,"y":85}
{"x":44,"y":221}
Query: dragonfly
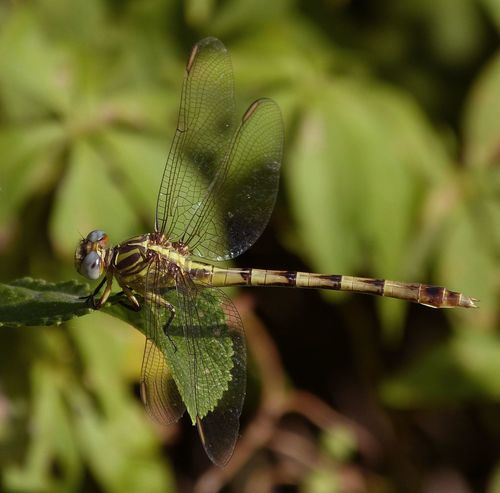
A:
{"x":216,"y":195}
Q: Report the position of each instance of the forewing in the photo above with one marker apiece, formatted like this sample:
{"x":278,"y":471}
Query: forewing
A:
{"x":209,"y":364}
{"x":240,"y":199}
{"x":204,"y":130}
{"x":219,"y":186}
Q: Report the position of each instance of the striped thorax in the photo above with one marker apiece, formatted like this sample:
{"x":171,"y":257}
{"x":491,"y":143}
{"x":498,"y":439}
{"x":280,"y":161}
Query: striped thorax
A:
{"x":145,"y":259}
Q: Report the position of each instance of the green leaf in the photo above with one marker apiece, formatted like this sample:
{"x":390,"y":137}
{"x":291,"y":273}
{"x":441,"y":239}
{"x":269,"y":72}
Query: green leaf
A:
{"x":65,"y":19}
{"x":322,"y":480}
{"x":31,"y":302}
{"x":52,"y":445}
{"x":218,"y":348}
{"x":462,"y":369}
{"x":477,"y":272}
{"x":482,"y":118}
{"x":198,"y":12}
{"x":108,"y":414}
{"x":215,"y":351}
{"x":359,"y":167}
{"x":27,"y":162}
{"x":131,"y":152}
{"x":494,"y":8}
{"x":454,"y":29}
{"x":90,"y":197}
{"x":313,"y":183}
{"x":339,"y":442}
{"x":241,"y":14}
{"x":35,"y":74}
{"x":36,"y":302}
{"x":363,"y":161}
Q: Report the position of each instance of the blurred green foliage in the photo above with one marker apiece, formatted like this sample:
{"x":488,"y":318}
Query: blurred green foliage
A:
{"x":391,"y":169}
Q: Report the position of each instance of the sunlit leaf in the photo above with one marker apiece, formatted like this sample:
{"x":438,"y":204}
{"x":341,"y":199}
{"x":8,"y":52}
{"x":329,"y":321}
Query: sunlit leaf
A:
{"x":90,"y":197}
{"x":464,"y":263}
{"x":28,"y":154}
{"x":362,"y":162}
{"x":141,"y":160}
{"x":215,"y":350}
{"x":242,"y":13}
{"x":198,"y":11}
{"x":31,"y":302}
{"x":66,"y":19}
{"x":314,"y":186}
{"x":482,"y":118}
{"x":35,"y":74}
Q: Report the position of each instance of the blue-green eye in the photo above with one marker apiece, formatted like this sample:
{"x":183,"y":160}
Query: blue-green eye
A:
{"x":91,"y":266}
{"x":96,"y":235}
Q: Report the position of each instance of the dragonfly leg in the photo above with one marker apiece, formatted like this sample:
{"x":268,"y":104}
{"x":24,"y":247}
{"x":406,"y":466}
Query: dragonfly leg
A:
{"x":127,"y":304}
{"x":132,"y":304}
{"x":90,"y":299}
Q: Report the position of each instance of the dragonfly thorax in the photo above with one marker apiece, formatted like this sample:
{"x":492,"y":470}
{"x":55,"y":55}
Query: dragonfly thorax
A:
{"x":148,"y":258}
{"x":92,"y":255}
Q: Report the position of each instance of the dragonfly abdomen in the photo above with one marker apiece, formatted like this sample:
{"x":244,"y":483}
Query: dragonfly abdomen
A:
{"x":424,"y":294}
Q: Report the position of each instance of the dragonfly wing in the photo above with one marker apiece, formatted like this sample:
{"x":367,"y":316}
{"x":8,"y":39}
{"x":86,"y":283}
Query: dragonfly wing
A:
{"x":158,"y":388}
{"x":219,"y":428}
{"x":241,"y":197}
{"x":159,"y":391}
{"x":209,"y":364}
{"x":204,"y":130}
{"x":220,"y":184}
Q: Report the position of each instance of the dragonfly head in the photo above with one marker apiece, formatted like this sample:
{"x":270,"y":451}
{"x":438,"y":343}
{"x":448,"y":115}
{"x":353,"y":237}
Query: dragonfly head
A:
{"x":91,"y":255}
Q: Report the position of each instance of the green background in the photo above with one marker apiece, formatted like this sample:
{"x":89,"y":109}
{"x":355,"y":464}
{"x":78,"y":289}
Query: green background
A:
{"x":391,"y":169}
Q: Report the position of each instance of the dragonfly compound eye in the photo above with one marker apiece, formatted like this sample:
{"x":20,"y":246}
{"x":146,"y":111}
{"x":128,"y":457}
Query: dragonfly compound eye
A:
{"x":91,"y":266}
{"x":96,"y":235}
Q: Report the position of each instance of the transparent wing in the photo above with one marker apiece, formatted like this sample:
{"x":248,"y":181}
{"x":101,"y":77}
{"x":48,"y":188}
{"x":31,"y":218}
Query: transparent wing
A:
{"x":219,"y":186}
{"x":195,"y":360}
{"x":204,"y":130}
{"x":241,"y":197}
{"x":159,"y":391}
{"x":211,"y":364}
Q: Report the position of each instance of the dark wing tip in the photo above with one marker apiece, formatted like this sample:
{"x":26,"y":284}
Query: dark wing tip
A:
{"x":221,"y":455}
